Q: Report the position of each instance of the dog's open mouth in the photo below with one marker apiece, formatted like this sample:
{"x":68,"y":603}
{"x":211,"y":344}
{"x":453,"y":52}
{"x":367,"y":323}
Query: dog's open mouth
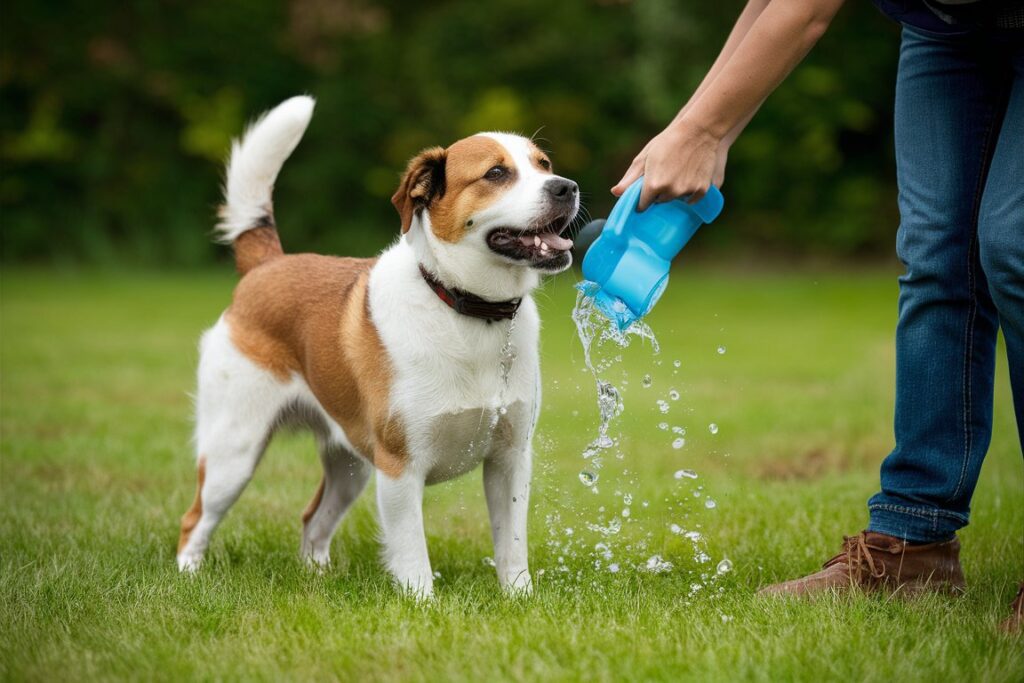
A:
{"x":542,"y":247}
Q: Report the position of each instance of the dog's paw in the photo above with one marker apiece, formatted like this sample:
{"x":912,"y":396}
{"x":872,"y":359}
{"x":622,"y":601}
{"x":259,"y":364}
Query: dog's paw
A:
{"x":317,"y":561}
{"x":518,"y":584}
{"x":419,"y":588}
{"x":189,"y":563}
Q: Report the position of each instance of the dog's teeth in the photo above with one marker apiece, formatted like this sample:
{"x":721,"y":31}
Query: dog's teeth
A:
{"x":543,"y":246}
{"x":537,"y":242}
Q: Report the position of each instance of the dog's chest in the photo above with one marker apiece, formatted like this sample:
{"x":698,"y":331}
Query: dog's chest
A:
{"x":454,"y":443}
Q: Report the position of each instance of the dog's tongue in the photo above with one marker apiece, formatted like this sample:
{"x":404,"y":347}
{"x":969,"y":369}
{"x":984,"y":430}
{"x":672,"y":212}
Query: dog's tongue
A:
{"x":553,"y":240}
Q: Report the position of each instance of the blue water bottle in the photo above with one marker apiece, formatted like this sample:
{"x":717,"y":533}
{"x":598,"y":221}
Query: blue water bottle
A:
{"x":627,"y":265}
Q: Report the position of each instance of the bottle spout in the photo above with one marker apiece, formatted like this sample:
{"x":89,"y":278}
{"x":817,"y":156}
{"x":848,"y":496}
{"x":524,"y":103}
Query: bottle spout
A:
{"x":611,"y":306}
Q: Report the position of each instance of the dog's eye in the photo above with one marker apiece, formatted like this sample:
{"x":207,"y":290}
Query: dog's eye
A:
{"x":545,"y":164}
{"x":496,"y":173}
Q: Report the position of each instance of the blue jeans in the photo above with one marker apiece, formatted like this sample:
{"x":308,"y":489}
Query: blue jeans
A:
{"x":960,"y":169}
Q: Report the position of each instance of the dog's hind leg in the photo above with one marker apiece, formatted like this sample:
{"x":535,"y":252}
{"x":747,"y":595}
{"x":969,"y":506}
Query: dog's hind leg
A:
{"x":237,"y":406}
{"x":345,"y":477}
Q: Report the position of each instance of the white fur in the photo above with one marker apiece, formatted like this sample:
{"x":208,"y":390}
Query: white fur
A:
{"x":447,"y":390}
{"x":256,"y":159}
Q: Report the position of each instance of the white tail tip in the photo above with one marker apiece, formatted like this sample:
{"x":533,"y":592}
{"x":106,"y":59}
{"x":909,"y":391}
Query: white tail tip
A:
{"x":256,"y":159}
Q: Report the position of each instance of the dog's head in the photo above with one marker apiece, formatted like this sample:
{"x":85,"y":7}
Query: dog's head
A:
{"x":487,"y":213}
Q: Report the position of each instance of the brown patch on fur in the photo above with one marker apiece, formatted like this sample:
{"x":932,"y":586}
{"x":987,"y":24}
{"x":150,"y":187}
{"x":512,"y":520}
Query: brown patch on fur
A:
{"x":450,"y":184}
{"x":540,"y":160}
{"x":466,"y":189}
{"x":313,"y":504}
{"x":308,"y":314}
{"x":422,"y":181}
{"x":191,"y":517}
{"x":255,"y":247}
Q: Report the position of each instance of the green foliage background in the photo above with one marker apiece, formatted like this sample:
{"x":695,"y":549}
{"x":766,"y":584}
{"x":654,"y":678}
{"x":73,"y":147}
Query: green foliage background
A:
{"x":116,"y":116}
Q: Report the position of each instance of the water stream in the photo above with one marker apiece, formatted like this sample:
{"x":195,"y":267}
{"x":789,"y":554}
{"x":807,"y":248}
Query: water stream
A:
{"x":597,"y":536}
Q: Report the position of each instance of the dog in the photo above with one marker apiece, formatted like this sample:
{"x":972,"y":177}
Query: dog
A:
{"x":417,"y":365}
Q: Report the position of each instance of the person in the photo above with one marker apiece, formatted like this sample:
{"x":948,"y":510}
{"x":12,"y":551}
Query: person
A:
{"x":959,"y":135}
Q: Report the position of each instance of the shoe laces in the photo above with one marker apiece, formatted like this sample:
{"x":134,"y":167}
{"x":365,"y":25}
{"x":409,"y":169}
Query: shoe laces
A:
{"x":856,"y":554}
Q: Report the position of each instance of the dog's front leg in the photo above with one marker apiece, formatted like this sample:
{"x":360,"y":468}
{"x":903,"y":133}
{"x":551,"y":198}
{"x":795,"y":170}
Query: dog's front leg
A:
{"x":507,"y":487}
{"x":400,"y":503}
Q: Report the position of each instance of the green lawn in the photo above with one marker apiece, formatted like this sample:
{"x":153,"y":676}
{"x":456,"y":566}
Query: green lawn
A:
{"x":97,"y":469}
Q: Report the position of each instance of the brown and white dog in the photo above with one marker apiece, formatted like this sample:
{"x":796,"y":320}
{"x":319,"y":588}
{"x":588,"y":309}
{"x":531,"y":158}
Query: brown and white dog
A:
{"x":391,"y":361}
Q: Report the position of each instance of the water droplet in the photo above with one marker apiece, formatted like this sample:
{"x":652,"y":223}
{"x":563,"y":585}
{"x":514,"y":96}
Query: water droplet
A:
{"x":674,"y":395}
{"x":502,"y":410}
{"x":657,"y":565}
{"x":662,"y":406}
{"x":677,"y":363}
{"x":489,"y":561}
{"x":437,"y":575}
{"x":646,"y":381}
{"x":681,"y":431}
{"x":713,"y":428}
{"x":724,"y":567}
{"x":625,"y":512}
{"x":721,"y":350}
{"x":588,"y":478}
{"x":693,"y":536}
{"x":676,"y":529}
{"x":679,"y":443}
{"x":569,"y":531}
{"x":710,"y":504}
{"x":628,"y":499}
{"x":614,"y":567}
{"x":687,"y":474}
{"x":663,"y":426}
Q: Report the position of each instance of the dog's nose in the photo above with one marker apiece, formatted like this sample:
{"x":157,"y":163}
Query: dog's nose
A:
{"x":561,"y":189}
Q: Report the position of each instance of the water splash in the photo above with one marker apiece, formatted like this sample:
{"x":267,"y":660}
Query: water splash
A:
{"x":617,"y":536}
{"x":593,"y":326}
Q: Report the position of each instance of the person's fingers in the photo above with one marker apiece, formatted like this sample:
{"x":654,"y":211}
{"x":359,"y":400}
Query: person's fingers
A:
{"x":634,"y":171}
{"x":697,"y":195}
{"x":649,"y":194}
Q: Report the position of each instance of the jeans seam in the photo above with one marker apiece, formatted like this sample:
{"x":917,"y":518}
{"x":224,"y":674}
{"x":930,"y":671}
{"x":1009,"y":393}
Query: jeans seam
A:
{"x":979,"y":189}
{"x":931,"y":514}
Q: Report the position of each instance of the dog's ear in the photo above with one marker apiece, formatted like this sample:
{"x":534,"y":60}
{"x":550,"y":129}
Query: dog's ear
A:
{"x":422,"y":183}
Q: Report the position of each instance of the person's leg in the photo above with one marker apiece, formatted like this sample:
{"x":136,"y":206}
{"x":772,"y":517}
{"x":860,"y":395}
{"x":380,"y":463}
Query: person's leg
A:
{"x":1001,"y":233}
{"x":1001,"y":242}
{"x":950,"y":100}
{"x":951,"y":97}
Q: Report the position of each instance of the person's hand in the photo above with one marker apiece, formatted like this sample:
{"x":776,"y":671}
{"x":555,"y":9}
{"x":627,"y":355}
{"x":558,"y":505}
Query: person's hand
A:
{"x":682,"y":160}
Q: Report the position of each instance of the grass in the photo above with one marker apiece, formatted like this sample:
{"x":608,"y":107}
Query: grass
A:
{"x":97,"y":469}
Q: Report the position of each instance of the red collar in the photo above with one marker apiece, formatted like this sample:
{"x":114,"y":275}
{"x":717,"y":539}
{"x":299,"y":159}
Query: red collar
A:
{"x":470,"y":304}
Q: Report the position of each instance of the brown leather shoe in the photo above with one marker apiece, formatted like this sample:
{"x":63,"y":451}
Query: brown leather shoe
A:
{"x":1015,"y":622}
{"x":871,"y":561}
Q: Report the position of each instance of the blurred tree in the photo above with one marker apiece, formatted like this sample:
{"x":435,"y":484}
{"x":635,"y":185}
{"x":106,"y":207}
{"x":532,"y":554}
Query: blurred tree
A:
{"x":115,"y":117}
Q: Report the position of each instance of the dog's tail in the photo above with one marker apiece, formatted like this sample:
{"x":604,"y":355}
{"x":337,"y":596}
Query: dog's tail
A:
{"x":247,"y":215}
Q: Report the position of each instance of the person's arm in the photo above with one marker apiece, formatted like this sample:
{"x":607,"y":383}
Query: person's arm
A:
{"x":746,"y":19}
{"x":681,"y":160}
